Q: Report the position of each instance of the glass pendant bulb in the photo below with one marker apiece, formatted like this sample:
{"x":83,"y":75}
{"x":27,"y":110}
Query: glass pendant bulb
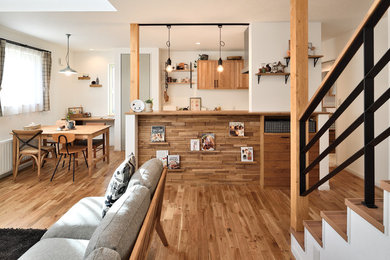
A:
{"x":220,"y":67}
{"x":169,"y":68}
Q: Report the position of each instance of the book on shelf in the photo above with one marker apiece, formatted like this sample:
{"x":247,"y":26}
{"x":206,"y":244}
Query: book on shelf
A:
{"x":173,"y":162}
{"x":157,"y":134}
{"x":246,"y":154}
{"x":236,"y":129}
{"x":162,"y":155}
{"x":208,"y":142}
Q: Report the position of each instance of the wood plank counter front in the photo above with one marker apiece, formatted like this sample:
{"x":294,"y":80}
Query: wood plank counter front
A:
{"x":224,"y":164}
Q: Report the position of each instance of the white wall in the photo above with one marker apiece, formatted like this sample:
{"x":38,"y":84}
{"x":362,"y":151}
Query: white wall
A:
{"x":268,"y":42}
{"x":179,"y":94}
{"x":58,"y":86}
{"x":349,"y":79}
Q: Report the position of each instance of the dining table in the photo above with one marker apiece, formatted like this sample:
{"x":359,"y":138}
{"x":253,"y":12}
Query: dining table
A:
{"x":82,"y":132}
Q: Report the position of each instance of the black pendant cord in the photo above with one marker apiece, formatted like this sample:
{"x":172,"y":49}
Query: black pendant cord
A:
{"x":168,"y":43}
{"x":67,"y":52}
{"x":221,"y":43}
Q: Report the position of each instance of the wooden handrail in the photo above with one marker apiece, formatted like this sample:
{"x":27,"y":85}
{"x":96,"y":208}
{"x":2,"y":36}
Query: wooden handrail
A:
{"x":346,"y":55}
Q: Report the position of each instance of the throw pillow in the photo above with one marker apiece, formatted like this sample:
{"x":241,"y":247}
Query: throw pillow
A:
{"x":118,"y":183}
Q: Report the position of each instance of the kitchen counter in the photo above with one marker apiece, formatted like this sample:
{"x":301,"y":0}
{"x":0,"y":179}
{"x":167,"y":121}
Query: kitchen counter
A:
{"x":207,"y":113}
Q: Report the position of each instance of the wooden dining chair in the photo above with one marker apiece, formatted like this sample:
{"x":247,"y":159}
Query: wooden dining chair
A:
{"x":27,"y":146}
{"x":65,"y":148}
{"x":97,"y":143}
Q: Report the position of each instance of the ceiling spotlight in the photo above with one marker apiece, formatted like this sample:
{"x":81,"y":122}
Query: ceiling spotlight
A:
{"x":197,"y":43}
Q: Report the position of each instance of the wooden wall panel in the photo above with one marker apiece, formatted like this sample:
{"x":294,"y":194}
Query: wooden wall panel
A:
{"x":222,"y":166}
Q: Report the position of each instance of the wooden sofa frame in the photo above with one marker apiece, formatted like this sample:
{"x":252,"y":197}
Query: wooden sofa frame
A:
{"x":152,"y":221}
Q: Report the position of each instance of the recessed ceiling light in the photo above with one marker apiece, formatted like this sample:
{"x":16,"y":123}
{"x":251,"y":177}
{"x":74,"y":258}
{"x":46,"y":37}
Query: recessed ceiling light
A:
{"x":197,"y":43}
{"x":91,"y":49}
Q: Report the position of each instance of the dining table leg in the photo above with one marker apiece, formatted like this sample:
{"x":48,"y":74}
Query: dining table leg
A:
{"x":90,"y":156}
{"x":14,"y":148}
{"x":107,"y":140}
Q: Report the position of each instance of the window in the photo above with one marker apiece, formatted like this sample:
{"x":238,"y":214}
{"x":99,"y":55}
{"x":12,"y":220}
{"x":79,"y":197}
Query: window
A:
{"x":111,"y":89}
{"x":23,"y":85}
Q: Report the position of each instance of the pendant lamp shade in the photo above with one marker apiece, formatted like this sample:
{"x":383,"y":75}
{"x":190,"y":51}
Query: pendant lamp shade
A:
{"x":168,"y":67}
{"x":221,"y":44}
{"x":68,"y":70}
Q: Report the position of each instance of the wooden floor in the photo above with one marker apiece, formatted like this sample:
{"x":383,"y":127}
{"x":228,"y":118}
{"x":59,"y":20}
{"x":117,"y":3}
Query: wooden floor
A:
{"x":200,"y":221}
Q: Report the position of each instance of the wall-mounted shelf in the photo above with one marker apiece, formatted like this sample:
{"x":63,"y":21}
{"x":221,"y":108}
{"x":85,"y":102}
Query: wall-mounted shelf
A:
{"x":239,"y":137}
{"x":159,"y":143}
{"x":215,"y":151}
{"x":96,"y":86}
{"x":180,"y":83}
{"x":176,"y":170}
{"x":247,"y":162}
{"x":286,"y":76}
{"x":84,"y":78}
{"x":314,"y":57}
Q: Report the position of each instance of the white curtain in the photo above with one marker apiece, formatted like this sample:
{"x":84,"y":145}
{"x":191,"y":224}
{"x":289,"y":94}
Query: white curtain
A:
{"x":22,"y":85}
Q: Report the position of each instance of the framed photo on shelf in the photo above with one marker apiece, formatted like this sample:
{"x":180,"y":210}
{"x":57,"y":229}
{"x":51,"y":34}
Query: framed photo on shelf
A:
{"x":246,"y":154}
{"x":75,"y":110}
{"x":173,"y":162}
{"x":195,"y":103}
{"x":236,"y":128}
{"x":162,"y":155}
{"x":157,"y":134}
{"x":195,"y":145}
{"x":208,"y":142}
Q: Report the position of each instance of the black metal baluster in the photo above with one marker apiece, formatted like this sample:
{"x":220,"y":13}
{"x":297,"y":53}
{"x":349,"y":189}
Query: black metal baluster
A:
{"x":369,"y":124}
{"x":302,"y":156}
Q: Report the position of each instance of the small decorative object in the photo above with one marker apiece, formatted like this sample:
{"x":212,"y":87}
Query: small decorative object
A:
{"x":246,"y":154}
{"x":218,"y":108}
{"x":97,"y":81}
{"x":166,"y":97}
{"x":311,"y":49}
{"x":137,"y":105}
{"x":87,"y":114}
{"x":203,"y":57}
{"x":274,"y":68}
{"x":234,"y":57}
{"x":236,"y":129}
{"x":70,"y":124}
{"x":157,"y":134}
{"x":195,"y":103}
{"x":162,"y":155}
{"x":208,"y":142}
{"x":267,"y":68}
{"x":195,"y":64}
{"x":149,"y":105}
{"x":93,"y":82}
{"x":85,"y":75}
{"x":173,"y":162}
{"x":195,"y":145}
{"x":185,"y":66}
{"x":281,"y":67}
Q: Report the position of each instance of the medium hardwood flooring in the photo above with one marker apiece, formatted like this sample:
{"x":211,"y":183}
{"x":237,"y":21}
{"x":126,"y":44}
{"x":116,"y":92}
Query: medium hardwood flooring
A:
{"x":200,"y":221}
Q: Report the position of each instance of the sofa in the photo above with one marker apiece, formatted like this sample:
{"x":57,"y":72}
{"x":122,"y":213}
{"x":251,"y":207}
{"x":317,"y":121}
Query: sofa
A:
{"x":82,"y":233}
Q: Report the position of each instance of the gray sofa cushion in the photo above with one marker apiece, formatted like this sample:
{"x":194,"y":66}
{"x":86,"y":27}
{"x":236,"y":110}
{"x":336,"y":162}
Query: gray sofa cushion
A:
{"x":118,"y":183}
{"x":148,"y":175}
{"x":119,"y":228}
{"x":103,"y":253}
{"x":80,"y":221}
{"x":56,"y":248}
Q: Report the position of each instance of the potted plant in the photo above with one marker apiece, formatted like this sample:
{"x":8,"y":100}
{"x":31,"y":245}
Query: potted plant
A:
{"x":149,"y":105}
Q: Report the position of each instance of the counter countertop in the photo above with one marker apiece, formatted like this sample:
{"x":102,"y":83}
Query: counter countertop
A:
{"x":210,"y":113}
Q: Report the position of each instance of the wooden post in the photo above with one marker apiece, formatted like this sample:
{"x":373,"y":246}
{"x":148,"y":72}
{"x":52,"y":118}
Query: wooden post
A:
{"x":134,"y":61}
{"x":299,"y":100}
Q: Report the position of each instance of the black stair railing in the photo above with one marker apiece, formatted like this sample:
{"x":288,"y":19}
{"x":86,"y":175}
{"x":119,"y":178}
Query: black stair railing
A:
{"x":364,"y":36}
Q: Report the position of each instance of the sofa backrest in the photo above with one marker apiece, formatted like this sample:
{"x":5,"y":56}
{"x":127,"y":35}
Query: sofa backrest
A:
{"x":148,"y":175}
{"x":119,"y":228}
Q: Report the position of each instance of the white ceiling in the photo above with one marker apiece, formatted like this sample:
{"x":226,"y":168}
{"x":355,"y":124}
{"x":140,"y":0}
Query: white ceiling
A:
{"x":106,"y":30}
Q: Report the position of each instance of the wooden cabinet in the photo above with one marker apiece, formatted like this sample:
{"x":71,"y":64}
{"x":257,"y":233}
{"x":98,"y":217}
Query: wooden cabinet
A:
{"x":277,"y":160}
{"x":230,"y":78}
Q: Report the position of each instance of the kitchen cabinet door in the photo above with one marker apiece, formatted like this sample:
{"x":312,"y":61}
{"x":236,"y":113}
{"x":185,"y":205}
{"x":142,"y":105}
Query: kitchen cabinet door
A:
{"x":228,"y":78}
{"x":207,"y":74}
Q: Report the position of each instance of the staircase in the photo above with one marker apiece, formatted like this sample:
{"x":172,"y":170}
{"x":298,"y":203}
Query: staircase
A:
{"x":357,"y":233}
{"x":361,"y":231}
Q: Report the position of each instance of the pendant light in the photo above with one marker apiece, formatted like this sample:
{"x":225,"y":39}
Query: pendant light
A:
{"x":68,"y":70}
{"x":168,"y":67}
{"x":221,"y":44}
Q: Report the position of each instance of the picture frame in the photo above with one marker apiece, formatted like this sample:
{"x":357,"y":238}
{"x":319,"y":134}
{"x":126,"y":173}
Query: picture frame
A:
{"x":195,"y":104}
{"x":157,"y":134}
{"x":195,"y":145}
{"x":246,"y":154}
{"x":208,"y":142}
{"x":75,"y":110}
{"x":236,"y":129}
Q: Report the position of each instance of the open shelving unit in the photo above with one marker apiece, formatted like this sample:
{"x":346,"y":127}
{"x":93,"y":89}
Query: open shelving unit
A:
{"x":314,"y":57}
{"x":285,"y":74}
{"x":191,"y":70}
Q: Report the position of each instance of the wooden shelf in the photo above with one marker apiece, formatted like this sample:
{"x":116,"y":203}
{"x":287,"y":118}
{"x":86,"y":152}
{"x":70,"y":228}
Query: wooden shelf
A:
{"x":239,"y":137}
{"x":215,"y":151}
{"x":176,"y":170}
{"x":314,"y":57}
{"x":180,"y":83}
{"x":254,"y":162}
{"x":84,"y":78}
{"x":286,"y":75}
{"x":158,"y":143}
{"x":182,"y":71}
{"x":95,"y":86}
